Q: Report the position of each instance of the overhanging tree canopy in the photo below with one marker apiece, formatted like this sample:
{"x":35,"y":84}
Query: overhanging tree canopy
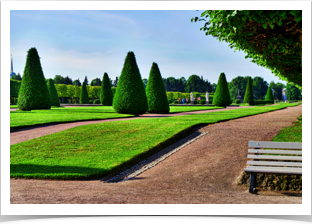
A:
{"x":271,"y":38}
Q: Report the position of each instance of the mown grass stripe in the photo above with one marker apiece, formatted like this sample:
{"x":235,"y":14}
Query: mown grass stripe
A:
{"x":97,"y":150}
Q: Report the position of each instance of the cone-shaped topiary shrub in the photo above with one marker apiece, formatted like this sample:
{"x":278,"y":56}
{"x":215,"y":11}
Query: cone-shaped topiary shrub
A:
{"x":106,"y":95}
{"x":84,"y":98}
{"x":34,"y":93}
{"x":269,"y":95}
{"x":222,"y":95}
{"x":53,"y":94}
{"x":156,"y":92}
{"x":248,"y":98}
{"x":130,"y":97}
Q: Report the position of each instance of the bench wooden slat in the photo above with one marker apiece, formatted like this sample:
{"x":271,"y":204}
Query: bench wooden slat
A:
{"x":275,"y":157}
{"x":271,"y":163}
{"x":274,"y":168}
{"x":284,"y":170}
{"x":262,"y":151}
{"x":276,"y":145}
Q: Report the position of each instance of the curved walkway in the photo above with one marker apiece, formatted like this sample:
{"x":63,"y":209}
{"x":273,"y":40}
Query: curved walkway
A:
{"x":203,"y":172}
{"x":28,"y":133}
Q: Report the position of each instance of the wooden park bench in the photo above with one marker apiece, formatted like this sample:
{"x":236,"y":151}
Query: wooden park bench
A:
{"x":277,"y":162}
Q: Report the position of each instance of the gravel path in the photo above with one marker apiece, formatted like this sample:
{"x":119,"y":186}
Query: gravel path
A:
{"x":203,"y":172}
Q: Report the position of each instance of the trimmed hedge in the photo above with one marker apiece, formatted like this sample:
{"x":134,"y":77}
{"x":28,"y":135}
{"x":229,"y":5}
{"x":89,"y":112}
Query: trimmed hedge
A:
{"x":106,"y":95}
{"x":269,"y":95}
{"x":34,"y":93}
{"x":53,"y":94}
{"x":84,"y":98}
{"x":237,"y":101}
{"x":130,"y":96}
{"x":248,"y":98}
{"x":222,"y":95}
{"x":156,"y":92}
{"x":96,"y":101}
{"x":258,"y":102}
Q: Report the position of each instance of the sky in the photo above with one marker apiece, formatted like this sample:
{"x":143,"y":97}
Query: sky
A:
{"x":79,"y":43}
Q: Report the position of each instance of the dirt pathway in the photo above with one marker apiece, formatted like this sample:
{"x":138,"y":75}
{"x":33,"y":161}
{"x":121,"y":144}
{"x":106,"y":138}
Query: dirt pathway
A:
{"x":203,"y":172}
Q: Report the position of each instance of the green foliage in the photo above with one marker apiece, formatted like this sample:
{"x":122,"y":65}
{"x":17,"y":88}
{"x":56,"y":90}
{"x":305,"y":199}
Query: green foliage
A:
{"x":14,"y":87}
{"x":96,"y":101}
{"x":237,"y":101}
{"x":202,"y":102}
{"x":271,"y":38}
{"x":292,"y":92}
{"x":53,"y":94}
{"x":278,"y":87}
{"x":222,"y":95}
{"x":84,"y":98}
{"x":34,"y":93}
{"x":269,"y":95}
{"x":259,"y":102}
{"x":90,"y":102}
{"x":155,"y":92}
{"x":106,"y":94}
{"x":130,"y":97}
{"x":114,"y":91}
{"x":17,"y":77}
{"x":249,"y":98}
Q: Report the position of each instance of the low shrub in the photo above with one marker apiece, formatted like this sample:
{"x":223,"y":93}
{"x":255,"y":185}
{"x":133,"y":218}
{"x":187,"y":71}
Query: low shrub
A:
{"x":172,"y":101}
{"x":176,"y":102}
{"x":195,"y":102}
{"x":237,"y":101}
{"x":258,"y":102}
{"x":96,"y":101}
{"x":202,"y":102}
{"x":90,"y":102}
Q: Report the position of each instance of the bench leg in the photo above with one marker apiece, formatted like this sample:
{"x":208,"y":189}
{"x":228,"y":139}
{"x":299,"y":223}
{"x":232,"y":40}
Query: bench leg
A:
{"x":252,"y":182}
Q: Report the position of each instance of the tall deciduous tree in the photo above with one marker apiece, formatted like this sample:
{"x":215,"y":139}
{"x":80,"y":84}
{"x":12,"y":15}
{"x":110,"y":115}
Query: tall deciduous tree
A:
{"x":130,"y":97}
{"x":292,"y":92}
{"x":71,"y":92}
{"x":58,"y":79}
{"x":106,"y":95}
{"x":77,"y":82}
{"x":61,"y":90}
{"x":155,"y":92}
{"x":34,"y":93}
{"x":271,"y":38}
{"x":222,"y":95}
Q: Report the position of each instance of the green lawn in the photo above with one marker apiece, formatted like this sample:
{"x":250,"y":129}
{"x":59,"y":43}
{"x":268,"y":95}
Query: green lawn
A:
{"x":96,"y":150}
{"x":290,"y":134}
{"x":69,"y":114}
{"x":61,"y":114}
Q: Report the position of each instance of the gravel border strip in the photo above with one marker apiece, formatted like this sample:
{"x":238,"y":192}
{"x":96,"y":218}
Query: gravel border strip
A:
{"x":154,"y":160}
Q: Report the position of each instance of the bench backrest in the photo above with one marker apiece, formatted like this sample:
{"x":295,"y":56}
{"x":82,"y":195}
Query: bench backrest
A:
{"x":275,"y":145}
{"x":265,"y":163}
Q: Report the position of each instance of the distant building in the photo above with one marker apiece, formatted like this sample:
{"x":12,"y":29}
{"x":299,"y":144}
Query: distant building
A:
{"x":284,"y":97}
{"x":12,"y":73}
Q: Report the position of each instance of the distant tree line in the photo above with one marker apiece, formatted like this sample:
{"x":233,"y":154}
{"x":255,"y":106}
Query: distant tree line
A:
{"x":196,"y":83}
